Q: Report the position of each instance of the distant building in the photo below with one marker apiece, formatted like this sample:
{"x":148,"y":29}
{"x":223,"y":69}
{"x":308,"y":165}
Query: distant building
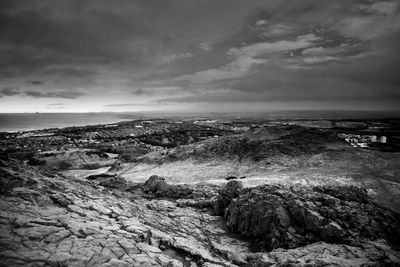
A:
{"x":383,"y":139}
{"x":363,"y":145}
{"x":202,"y":122}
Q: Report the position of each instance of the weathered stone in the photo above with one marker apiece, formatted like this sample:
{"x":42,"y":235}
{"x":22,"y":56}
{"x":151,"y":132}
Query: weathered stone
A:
{"x":158,"y":187}
{"x":85,"y":225}
{"x":313,"y":219}
{"x":153,"y":184}
{"x":282,"y":216}
{"x":347,"y":193}
{"x":291,"y":217}
{"x":231,"y":190}
{"x":332,"y":232}
{"x":61,"y":199}
{"x":110,"y":181}
{"x":324,"y":254}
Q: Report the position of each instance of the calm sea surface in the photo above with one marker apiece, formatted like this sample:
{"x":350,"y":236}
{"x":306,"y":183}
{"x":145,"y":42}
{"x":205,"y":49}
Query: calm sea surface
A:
{"x":34,"y":121}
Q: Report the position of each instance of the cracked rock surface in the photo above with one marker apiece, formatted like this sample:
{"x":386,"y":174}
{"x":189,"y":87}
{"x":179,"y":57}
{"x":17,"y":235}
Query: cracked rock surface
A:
{"x":49,"y":220}
{"x":54,"y":221}
{"x":278,"y":217}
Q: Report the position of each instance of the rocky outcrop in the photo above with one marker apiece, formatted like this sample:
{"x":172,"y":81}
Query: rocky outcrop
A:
{"x":55,"y":221}
{"x":110,"y":181}
{"x":158,"y":187}
{"x":49,"y":220}
{"x":10,"y":180}
{"x":368,"y":253}
{"x":230,"y":191}
{"x":346,"y":193}
{"x":279,"y":217}
{"x":154,"y":184}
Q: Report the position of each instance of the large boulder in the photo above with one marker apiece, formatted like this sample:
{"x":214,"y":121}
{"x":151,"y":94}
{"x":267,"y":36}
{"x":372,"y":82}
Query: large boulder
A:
{"x":157,"y":186}
{"x":279,"y":217}
{"x":154,"y":184}
{"x":231,"y":190}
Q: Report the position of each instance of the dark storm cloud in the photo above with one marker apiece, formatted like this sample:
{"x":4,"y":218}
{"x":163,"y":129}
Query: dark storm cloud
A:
{"x":141,"y":92}
{"x":70,"y":28}
{"x":275,"y":60}
{"x":9,"y":91}
{"x":33,"y":82}
{"x":15,"y":91}
{"x":189,"y":51}
{"x":70,"y":71}
{"x":316,"y":92}
{"x":95,"y":31}
{"x":55,"y":94}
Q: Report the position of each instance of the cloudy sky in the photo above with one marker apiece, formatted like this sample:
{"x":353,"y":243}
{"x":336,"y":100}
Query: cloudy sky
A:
{"x":199,"y":55}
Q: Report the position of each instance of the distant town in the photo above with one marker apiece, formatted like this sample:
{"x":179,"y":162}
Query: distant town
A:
{"x":357,"y":140}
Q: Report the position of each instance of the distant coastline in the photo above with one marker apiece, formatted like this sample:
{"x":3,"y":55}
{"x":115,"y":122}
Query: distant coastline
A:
{"x":14,"y":122}
{"x":36,"y":121}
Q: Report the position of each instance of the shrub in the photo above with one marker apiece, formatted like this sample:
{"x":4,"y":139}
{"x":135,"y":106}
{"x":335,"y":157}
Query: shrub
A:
{"x":64,"y":165}
{"x":37,"y":162}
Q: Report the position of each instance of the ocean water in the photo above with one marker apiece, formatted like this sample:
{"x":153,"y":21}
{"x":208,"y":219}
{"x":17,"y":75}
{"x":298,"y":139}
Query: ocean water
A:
{"x":33,"y":121}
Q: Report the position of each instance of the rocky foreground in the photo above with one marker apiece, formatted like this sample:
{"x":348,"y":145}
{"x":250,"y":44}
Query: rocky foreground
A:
{"x":49,"y":220}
